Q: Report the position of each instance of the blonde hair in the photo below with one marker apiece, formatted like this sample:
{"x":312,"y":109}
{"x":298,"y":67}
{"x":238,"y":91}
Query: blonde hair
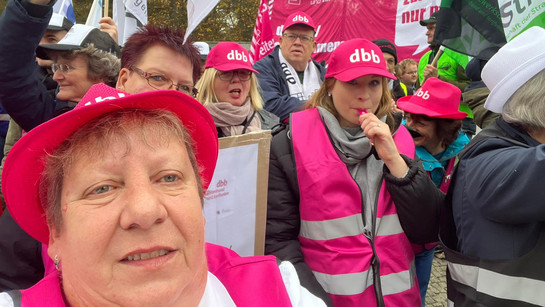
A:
{"x":322,"y":99}
{"x":401,"y":67}
{"x":207,"y":94}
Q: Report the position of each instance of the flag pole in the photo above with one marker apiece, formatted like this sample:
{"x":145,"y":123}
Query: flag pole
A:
{"x":435,"y":60}
{"x":437,"y":56}
{"x":106,"y":7}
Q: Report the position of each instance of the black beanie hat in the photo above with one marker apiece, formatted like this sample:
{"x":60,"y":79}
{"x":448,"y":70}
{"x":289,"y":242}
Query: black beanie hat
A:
{"x":386,"y":46}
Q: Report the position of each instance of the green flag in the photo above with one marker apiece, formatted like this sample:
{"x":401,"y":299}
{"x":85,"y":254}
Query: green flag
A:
{"x":472,"y":27}
{"x":480,"y":27}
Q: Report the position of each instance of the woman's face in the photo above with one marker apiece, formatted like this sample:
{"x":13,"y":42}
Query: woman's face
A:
{"x":363,"y":93}
{"x":133,"y":230}
{"x":428,"y":137}
{"x":232,"y":86}
{"x":73,"y":82}
{"x":157,"y":60}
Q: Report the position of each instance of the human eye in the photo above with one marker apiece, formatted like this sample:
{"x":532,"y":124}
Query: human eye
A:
{"x":353,"y":82}
{"x":183,"y":88}
{"x":170,"y":178}
{"x":305,"y":39}
{"x":158,"y":78}
{"x":375,"y":82}
{"x":102,"y":189}
{"x":292,"y":37}
{"x":226,"y":75}
{"x":65,"y":67}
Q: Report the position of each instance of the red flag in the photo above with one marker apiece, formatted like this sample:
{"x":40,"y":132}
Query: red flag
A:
{"x":263,"y":38}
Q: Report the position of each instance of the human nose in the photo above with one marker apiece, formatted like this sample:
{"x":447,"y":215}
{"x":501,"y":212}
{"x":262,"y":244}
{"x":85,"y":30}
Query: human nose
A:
{"x":143,"y":207}
{"x":409,"y":121}
{"x":236,"y":77}
{"x":363,"y":94}
{"x":58,"y":75}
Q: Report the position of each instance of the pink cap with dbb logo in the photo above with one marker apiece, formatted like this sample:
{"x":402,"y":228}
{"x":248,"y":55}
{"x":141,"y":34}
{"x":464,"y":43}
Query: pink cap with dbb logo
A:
{"x":435,"y":98}
{"x":226,"y":56}
{"x":355,"y":58}
{"x":299,"y":18}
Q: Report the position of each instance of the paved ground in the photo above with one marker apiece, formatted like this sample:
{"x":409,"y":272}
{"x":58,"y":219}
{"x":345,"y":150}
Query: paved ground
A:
{"x":437,"y":289}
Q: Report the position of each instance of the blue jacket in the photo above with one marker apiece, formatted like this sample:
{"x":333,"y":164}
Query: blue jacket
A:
{"x":272,"y":80}
{"x":498,"y":193}
{"x":22,"y":93}
{"x":436,"y":168}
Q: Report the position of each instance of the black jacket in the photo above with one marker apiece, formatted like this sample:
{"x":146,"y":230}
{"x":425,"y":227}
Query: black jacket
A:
{"x":22,"y":92}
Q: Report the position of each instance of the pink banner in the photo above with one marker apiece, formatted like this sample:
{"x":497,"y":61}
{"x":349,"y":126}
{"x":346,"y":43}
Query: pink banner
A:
{"x":340,"y":20}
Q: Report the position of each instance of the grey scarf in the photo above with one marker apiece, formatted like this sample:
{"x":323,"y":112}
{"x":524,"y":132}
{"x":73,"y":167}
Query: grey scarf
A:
{"x":354,"y":149}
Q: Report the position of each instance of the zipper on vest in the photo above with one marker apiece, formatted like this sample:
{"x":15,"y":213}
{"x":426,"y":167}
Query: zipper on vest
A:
{"x":376,"y":261}
{"x":370,"y":235}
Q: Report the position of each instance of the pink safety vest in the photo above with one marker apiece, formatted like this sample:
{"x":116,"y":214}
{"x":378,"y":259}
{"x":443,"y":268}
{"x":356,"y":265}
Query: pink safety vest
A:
{"x":331,"y":235}
{"x":250,"y":281}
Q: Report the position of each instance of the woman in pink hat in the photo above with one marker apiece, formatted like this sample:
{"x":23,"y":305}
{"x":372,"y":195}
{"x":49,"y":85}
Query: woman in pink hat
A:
{"x":346,"y":199}
{"x":229,"y":90}
{"x":115,"y":188}
{"x":435,"y":123}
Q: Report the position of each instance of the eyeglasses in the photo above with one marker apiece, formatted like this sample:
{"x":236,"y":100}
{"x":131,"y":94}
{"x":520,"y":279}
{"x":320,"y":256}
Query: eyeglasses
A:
{"x":291,"y":37}
{"x":160,"y":82}
{"x":243,"y":75}
{"x":65,"y":68}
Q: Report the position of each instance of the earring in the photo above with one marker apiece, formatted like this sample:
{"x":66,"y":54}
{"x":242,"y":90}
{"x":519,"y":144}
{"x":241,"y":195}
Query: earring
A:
{"x":329,"y":94}
{"x":57,"y":263}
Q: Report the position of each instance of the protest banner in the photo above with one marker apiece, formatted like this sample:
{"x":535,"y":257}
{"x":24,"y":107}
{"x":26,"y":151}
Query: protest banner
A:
{"x":235,"y":205}
{"x":337,"y":21}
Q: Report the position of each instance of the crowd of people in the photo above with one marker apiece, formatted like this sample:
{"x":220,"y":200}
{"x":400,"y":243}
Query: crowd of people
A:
{"x":374,"y":164}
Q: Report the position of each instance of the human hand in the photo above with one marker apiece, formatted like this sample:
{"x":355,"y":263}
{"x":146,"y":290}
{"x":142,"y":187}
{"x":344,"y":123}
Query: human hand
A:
{"x":108,"y":25}
{"x":380,"y":136}
{"x":430,"y":71}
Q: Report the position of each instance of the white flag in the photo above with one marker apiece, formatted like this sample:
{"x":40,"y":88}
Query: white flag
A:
{"x":196,"y":11}
{"x":129,"y":15}
{"x":65,"y":8}
{"x":95,"y":14}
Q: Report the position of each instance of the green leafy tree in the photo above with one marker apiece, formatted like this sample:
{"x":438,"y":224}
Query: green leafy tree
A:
{"x":230,"y":20}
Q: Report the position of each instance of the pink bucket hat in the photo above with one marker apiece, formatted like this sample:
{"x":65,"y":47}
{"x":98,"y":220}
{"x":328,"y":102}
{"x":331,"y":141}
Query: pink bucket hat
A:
{"x":24,"y":165}
{"x":435,"y":98}
{"x":355,"y":58}
{"x":227,"y":56}
{"x":299,"y":18}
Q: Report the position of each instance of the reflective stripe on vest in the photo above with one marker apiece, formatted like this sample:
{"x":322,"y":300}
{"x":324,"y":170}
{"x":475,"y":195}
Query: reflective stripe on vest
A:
{"x":331,"y":233}
{"x":348,"y":226}
{"x":480,"y":282}
{"x":351,"y":284}
{"x":499,"y":285}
